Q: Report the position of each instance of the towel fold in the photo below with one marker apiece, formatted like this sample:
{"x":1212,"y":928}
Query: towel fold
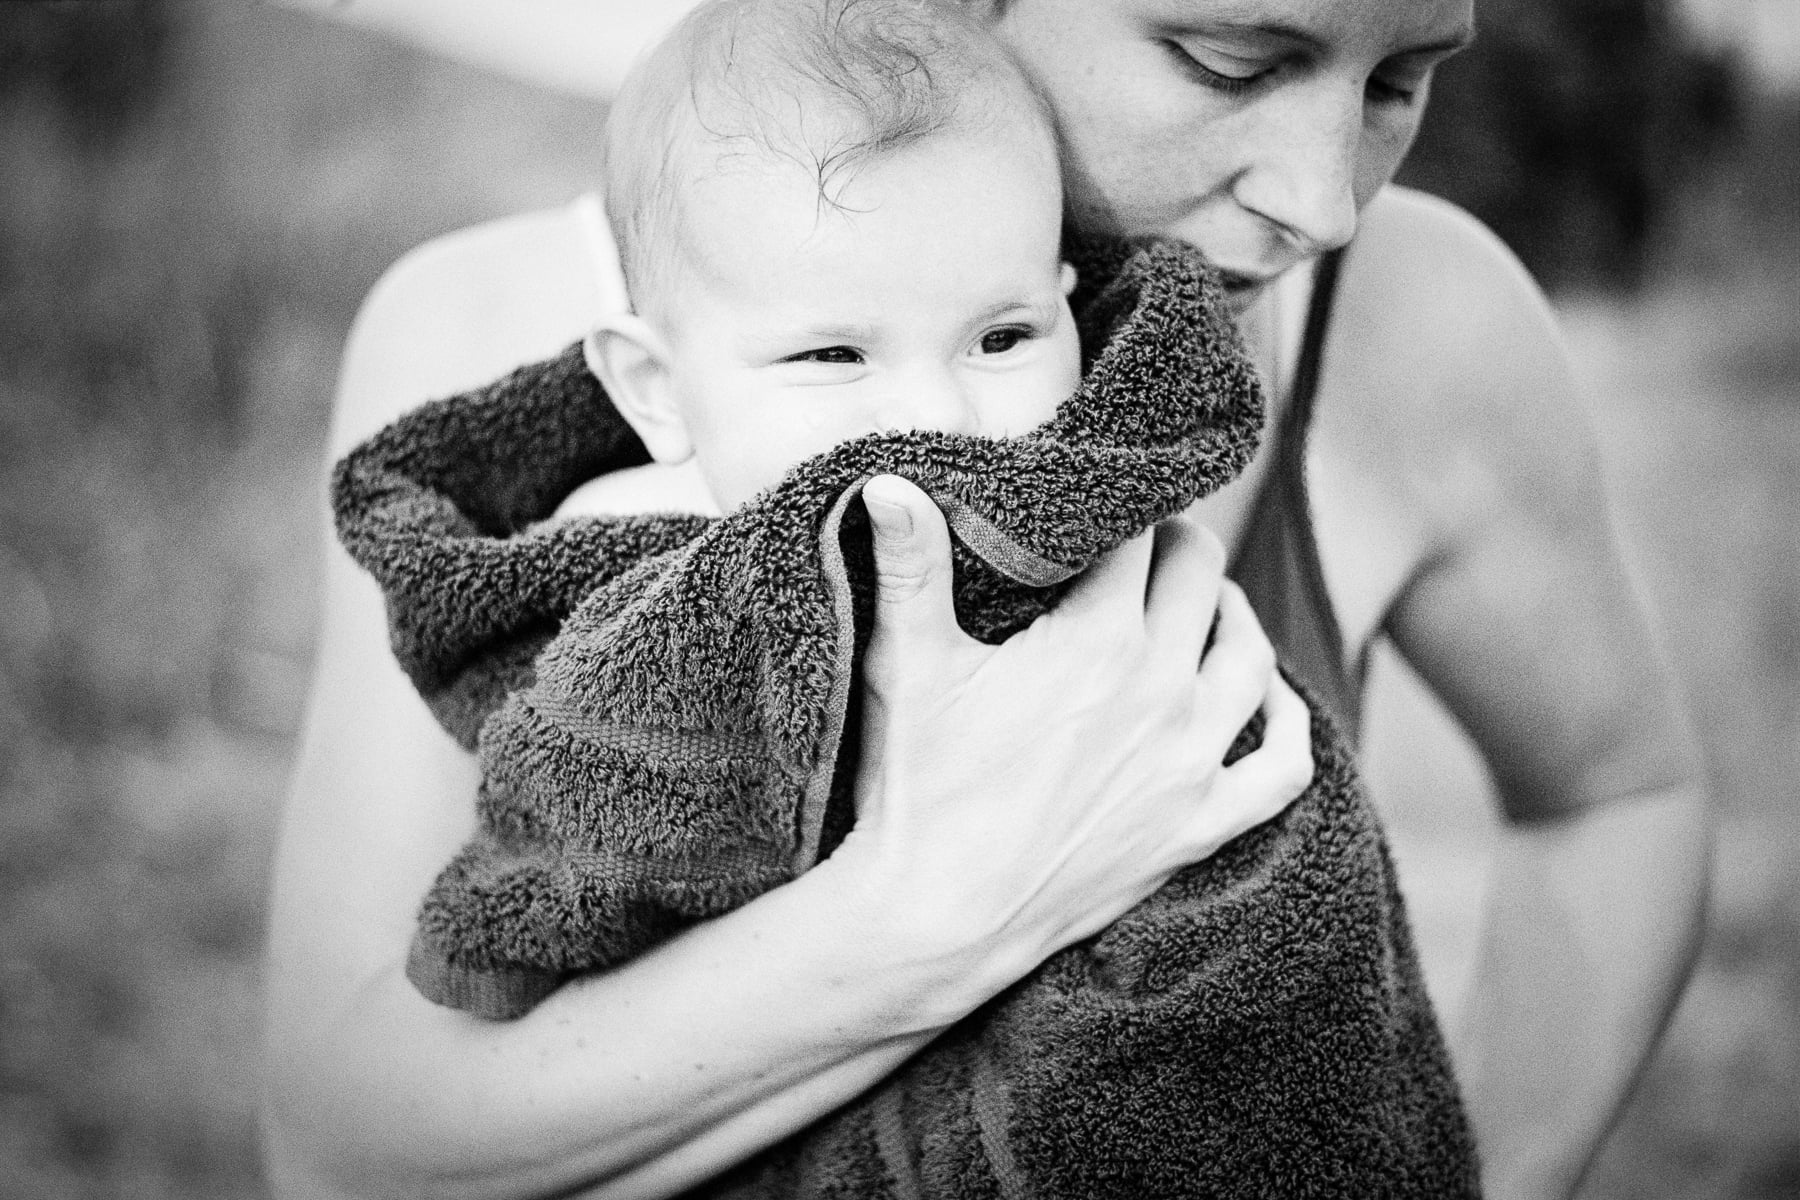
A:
{"x":664,"y":709}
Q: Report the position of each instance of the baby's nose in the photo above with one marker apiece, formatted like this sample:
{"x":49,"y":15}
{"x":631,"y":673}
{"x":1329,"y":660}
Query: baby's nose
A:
{"x":935,"y":400}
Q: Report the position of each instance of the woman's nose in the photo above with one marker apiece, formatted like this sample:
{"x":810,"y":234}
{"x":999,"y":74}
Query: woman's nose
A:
{"x":1302,"y":178}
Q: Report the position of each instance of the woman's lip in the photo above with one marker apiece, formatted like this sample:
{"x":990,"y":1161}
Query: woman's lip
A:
{"x":1241,"y":291}
{"x":1237,"y":281}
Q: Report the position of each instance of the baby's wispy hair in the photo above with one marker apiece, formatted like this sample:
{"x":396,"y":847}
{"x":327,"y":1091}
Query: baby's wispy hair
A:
{"x":828,"y":85}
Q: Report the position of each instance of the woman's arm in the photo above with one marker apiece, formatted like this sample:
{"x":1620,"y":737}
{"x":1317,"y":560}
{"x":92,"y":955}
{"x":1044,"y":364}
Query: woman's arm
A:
{"x":1520,"y":614}
{"x":964,"y":870}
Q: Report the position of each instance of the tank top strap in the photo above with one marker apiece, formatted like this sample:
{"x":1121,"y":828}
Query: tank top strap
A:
{"x":1277,"y":563}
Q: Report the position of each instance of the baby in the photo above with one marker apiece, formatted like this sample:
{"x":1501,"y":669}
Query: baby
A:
{"x":840,"y":221}
{"x":833,"y":220}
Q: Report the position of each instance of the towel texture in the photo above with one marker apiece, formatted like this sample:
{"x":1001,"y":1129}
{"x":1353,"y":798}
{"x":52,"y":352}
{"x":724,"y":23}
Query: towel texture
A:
{"x":664,"y":711}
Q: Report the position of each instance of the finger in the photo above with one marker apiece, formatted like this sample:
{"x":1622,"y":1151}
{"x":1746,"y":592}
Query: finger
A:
{"x":1234,"y":676}
{"x":912,"y":564}
{"x":1112,"y":589}
{"x":1260,"y":786}
{"x":1186,"y":573}
{"x":1283,"y":762}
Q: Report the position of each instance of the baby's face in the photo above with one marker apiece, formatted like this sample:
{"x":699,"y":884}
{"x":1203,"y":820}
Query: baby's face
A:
{"x":932,"y":296}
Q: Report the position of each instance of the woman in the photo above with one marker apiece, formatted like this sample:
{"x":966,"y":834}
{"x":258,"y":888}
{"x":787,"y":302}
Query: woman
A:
{"x":1452,"y":509}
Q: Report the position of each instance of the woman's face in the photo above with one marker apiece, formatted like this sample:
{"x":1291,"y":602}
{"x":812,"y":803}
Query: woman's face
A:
{"x":1253,"y":129}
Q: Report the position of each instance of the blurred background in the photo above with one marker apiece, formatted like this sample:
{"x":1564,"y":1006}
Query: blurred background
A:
{"x":194,"y":197}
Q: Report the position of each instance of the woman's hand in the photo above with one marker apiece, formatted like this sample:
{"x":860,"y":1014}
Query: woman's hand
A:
{"x":1016,"y":798}
{"x":640,"y":1081}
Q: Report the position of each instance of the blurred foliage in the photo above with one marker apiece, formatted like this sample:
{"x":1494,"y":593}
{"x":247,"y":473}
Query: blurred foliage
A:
{"x":1571,"y":126}
{"x":138,"y":770}
{"x":194,"y":197}
{"x":100,"y":288}
{"x":98,"y":62}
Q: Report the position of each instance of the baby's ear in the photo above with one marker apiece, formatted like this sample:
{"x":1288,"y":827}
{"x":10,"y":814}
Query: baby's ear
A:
{"x":1068,"y":278}
{"x":632,"y":362}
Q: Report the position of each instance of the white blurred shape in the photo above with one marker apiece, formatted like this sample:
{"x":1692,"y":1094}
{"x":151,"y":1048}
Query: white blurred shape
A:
{"x":581,"y":47}
{"x":1764,"y":35}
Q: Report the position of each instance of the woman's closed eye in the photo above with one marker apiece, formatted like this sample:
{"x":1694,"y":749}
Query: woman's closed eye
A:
{"x":1224,"y":73}
{"x":1397,"y":87}
{"x":1403,"y":80}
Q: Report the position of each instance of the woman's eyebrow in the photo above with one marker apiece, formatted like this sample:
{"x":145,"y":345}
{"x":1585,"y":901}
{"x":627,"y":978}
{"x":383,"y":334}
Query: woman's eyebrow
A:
{"x":1260,"y":29}
{"x":1249,"y":19}
{"x":1444,"y":47}
{"x":1252,"y":19}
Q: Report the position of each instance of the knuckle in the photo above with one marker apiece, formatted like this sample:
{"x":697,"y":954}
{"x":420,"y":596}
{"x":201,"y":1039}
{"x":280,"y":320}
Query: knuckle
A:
{"x":1119,"y":648}
{"x":1167,"y":672}
{"x":1298,"y":776}
{"x":1206,"y":774}
{"x":1170,"y":691}
{"x":1206,"y":543}
{"x":1248,"y":671}
{"x":1110,"y":643}
{"x":1183,"y":537}
{"x":900,"y":580}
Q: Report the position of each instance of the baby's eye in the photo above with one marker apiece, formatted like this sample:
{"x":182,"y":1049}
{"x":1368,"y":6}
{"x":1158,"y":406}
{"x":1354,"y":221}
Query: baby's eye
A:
{"x":836,"y":355}
{"x":999,"y":341}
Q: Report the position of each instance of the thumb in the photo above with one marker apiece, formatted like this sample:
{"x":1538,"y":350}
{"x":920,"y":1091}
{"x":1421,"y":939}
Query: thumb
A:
{"x":912,"y":561}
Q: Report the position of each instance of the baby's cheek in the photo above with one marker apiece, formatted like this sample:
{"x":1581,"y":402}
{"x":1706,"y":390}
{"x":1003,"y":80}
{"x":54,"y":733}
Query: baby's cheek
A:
{"x":1066,"y":372}
{"x":1033,"y":402}
{"x":759,"y":454}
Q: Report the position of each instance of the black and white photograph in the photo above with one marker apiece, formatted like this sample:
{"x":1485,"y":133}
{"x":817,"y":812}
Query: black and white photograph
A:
{"x":900,"y":599}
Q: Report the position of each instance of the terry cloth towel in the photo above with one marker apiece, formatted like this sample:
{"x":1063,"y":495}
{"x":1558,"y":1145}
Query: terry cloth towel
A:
{"x":665,"y":713}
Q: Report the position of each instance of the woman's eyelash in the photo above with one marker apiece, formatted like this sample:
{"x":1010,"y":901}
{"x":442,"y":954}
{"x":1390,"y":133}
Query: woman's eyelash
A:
{"x":1218,"y":81}
{"x":1380,"y":90}
{"x":1392,"y":93}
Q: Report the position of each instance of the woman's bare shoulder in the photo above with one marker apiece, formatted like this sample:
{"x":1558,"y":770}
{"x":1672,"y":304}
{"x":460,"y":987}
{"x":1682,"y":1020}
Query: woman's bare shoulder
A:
{"x":1424,"y":259}
{"x":1441,"y":336}
{"x":464,"y":308}
{"x":1448,"y":398}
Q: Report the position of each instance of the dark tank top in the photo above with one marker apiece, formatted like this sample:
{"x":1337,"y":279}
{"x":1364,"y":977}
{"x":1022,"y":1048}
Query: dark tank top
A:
{"x":1277,"y":562}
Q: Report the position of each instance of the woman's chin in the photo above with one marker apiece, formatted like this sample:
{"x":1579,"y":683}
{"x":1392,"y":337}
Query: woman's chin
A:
{"x":1241,"y":297}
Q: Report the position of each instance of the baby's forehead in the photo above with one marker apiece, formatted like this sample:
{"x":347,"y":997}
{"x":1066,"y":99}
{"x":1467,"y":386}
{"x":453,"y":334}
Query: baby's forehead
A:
{"x":800,"y":97}
{"x":734,"y":191}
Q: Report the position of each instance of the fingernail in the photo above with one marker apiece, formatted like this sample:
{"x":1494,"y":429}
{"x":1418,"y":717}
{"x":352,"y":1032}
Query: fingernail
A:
{"x":892,"y":520}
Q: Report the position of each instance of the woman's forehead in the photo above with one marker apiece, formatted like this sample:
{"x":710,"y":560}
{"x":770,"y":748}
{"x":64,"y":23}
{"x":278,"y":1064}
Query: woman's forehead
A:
{"x":1391,"y":26}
